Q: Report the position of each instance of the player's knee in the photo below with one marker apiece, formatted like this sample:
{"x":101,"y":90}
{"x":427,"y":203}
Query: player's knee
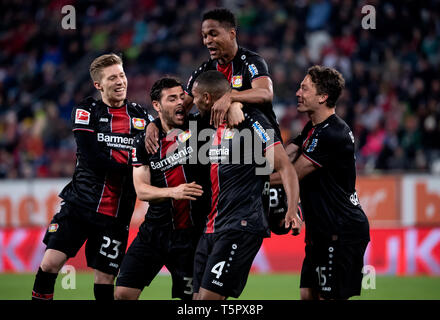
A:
{"x":119,"y":294}
{"x":104,"y":278}
{"x":53,"y":261}
{"x":306,"y":294}
{"x":123,"y":293}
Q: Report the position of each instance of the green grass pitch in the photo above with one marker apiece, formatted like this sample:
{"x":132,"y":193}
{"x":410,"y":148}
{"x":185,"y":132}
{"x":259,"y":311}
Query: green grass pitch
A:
{"x":259,"y":287}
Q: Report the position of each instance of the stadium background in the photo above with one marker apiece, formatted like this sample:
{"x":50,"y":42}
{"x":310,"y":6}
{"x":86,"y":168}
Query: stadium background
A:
{"x":391,"y":101}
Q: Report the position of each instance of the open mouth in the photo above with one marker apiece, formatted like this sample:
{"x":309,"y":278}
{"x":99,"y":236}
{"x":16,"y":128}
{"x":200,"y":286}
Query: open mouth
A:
{"x":120,"y":90}
{"x":180,"y":114}
{"x":212,"y":51}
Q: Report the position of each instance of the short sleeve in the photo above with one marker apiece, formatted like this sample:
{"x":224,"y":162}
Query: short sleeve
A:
{"x":83,"y":117}
{"x":263,"y":130}
{"x":325,"y":148}
{"x":139,"y":155}
{"x":297,"y":140}
{"x":257,"y":67}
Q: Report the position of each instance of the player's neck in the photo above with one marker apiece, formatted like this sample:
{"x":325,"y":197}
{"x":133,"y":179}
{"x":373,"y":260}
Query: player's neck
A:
{"x":113,"y":103}
{"x":230,"y":55}
{"x":321,"y":115}
{"x":166,"y":127}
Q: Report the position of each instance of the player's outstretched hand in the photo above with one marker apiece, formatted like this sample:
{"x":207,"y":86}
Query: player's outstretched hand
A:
{"x":294,"y":221}
{"x":187,"y":191}
{"x":235,"y":115}
{"x":219,"y":109}
{"x":151,"y":138}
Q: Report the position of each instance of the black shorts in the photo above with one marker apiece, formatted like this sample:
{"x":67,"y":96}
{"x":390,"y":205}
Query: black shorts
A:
{"x":334,"y":269}
{"x":106,"y":237}
{"x":223,"y":261}
{"x":157,"y":246}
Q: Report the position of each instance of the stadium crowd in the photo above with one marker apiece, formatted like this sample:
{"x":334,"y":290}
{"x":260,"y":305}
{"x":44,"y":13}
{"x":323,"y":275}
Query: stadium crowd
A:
{"x":391,"y":99}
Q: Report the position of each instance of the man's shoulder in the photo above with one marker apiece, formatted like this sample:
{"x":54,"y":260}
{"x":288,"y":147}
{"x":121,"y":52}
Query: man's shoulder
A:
{"x":255,"y":118}
{"x":87,"y":103}
{"x":141,"y":111}
{"x":245,"y":53}
{"x":336,"y":130}
{"x":205,"y":66}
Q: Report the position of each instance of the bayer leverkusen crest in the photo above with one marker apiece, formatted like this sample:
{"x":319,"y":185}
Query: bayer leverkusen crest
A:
{"x":182,"y":137}
{"x":139,"y":123}
{"x":237,"y":81}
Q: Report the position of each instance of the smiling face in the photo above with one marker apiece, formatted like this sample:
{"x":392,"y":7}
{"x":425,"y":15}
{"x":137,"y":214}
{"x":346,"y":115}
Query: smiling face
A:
{"x":308,"y":98}
{"x":170,"y":107}
{"x":219,"y":39}
{"x":112,"y":85}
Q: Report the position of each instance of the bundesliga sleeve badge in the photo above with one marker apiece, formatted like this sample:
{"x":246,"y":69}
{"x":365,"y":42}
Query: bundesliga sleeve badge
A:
{"x":82,"y":116}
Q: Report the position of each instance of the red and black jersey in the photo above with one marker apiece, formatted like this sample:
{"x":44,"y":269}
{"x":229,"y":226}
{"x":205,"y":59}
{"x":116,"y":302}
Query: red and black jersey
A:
{"x":328,"y":196}
{"x":176,"y":162}
{"x":246,"y":67}
{"x":240,"y":175}
{"x":102,"y":180}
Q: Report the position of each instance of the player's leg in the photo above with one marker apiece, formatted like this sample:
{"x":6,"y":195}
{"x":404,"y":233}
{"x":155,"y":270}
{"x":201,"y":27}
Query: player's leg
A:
{"x":126,"y":293}
{"x":105,"y":249}
{"x":309,"y":294}
{"x":44,"y":284}
{"x":142,"y":262}
{"x":103,"y":287}
{"x":229,"y":264}
{"x":63,"y":238}
{"x":310,"y":278}
{"x":180,"y":262}
{"x":203,"y":250}
{"x":205,"y":294}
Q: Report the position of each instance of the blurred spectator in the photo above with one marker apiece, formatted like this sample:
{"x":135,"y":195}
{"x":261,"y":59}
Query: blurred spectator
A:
{"x":391,"y":100}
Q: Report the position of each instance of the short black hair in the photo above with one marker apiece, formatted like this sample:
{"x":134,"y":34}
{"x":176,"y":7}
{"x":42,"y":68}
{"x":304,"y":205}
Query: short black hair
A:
{"x":213,"y":82}
{"x":327,"y":81}
{"x":163,"y":83}
{"x":222,"y":15}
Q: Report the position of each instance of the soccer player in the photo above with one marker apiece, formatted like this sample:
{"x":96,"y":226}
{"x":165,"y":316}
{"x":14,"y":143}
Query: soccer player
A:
{"x":178,"y":192}
{"x":337,"y":229}
{"x":98,"y":203}
{"x":246,"y":71}
{"x":237,"y":222}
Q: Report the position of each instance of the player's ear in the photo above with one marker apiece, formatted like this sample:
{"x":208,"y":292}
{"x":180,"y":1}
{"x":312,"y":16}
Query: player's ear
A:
{"x":156,"y":105}
{"x":233,"y":33}
{"x":207,"y":98}
{"x":97,"y":85}
{"x":322,"y":98}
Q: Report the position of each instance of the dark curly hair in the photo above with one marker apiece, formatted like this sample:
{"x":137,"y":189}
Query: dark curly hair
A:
{"x":163,"y":83}
{"x":328,"y":81}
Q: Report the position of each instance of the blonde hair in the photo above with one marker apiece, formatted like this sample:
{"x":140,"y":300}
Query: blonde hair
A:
{"x":102,"y":62}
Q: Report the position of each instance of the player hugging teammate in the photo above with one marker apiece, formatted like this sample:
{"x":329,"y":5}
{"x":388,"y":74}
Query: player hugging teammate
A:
{"x":207,"y":221}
